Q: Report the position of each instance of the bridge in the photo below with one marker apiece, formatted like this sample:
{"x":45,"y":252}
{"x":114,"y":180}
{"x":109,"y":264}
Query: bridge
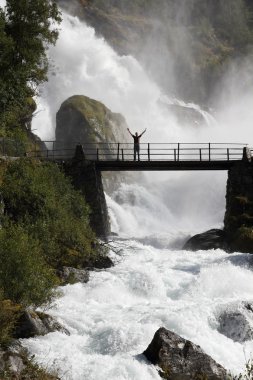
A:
{"x":83,"y":164}
{"x":153,"y":156}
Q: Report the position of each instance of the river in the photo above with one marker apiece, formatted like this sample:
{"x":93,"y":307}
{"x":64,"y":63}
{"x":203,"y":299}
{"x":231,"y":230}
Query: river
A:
{"x":154,"y":282}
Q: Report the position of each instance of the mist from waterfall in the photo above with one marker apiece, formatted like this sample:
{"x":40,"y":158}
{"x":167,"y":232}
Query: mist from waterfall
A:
{"x":155,"y":283}
{"x":86,"y":65}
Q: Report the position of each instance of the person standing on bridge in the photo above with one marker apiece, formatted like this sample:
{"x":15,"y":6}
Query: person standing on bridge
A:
{"x":136,"y":138}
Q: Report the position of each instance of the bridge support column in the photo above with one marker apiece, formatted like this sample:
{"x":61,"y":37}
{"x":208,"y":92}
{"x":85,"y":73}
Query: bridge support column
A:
{"x":238,"y":222}
{"x":88,"y":179}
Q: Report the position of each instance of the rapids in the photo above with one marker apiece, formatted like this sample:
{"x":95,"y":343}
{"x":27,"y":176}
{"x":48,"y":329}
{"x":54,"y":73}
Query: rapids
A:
{"x":114,"y":316}
{"x":154,"y":283}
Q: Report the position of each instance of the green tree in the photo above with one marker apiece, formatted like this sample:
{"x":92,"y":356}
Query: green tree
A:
{"x":27,"y":28}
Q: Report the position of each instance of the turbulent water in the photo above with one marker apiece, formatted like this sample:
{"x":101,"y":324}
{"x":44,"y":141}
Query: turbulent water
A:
{"x":113,"y":318}
{"x":154,"y":283}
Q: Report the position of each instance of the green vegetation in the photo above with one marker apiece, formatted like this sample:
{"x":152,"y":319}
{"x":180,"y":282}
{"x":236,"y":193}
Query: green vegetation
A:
{"x":39,"y":197}
{"x":24,"y":276}
{"x":9,"y":313}
{"x":44,"y":226}
{"x":27,"y":28}
{"x":27,"y":276}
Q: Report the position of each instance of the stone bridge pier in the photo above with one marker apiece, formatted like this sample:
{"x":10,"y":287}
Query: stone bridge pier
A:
{"x":86,"y":178}
{"x":238,"y":221}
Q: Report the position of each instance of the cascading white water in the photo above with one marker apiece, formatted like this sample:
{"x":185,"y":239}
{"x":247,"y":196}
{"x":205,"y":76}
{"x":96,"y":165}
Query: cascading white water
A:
{"x":113,"y":317}
{"x":85,"y":64}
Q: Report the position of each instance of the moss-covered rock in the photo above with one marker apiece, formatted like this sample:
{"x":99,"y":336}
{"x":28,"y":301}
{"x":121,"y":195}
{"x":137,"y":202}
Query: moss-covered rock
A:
{"x":87,"y":121}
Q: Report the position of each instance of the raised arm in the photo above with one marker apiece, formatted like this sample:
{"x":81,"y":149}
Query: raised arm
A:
{"x":143,"y":132}
{"x":130,"y":132}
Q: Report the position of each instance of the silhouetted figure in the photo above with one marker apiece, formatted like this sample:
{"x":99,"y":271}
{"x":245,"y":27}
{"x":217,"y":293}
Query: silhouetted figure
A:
{"x":136,"y":138}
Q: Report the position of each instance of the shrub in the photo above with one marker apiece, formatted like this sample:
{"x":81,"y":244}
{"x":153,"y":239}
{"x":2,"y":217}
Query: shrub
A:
{"x":8,"y":316}
{"x":24,"y":276}
{"x":39,"y":196}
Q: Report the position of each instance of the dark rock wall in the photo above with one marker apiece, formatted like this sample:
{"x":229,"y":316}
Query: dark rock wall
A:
{"x":238,"y":222}
{"x":186,"y":46}
{"x":86,"y":178}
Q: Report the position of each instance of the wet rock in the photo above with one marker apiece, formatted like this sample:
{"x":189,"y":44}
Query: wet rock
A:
{"x":103,"y":262}
{"x":236,"y":323}
{"x":16,"y":364}
{"x":181,"y":359}
{"x":212,"y":239}
{"x":33,"y":323}
{"x":12,"y":363}
{"x":70,"y":275}
{"x":99,"y":262}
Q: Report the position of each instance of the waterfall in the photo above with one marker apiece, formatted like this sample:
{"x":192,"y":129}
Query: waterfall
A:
{"x":112,"y":318}
{"x":86,"y":64}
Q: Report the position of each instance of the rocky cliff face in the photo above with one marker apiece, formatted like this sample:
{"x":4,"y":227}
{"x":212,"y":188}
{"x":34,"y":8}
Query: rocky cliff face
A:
{"x":185,"y":45}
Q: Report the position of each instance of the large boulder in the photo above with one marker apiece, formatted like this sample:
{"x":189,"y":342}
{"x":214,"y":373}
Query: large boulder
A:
{"x":236,"y":322}
{"x":87,"y":121}
{"x":211,"y":239}
{"x":180,"y":359}
{"x":33,"y":323}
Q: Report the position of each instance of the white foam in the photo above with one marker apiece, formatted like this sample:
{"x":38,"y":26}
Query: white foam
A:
{"x":112,"y":318}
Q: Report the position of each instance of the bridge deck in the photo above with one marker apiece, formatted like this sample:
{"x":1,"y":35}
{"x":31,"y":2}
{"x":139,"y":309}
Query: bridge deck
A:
{"x":121,"y":156}
{"x":163,"y":165}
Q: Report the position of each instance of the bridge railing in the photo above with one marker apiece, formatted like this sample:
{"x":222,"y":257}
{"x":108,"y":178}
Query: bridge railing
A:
{"x":63,"y":150}
{"x":147,"y":151}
